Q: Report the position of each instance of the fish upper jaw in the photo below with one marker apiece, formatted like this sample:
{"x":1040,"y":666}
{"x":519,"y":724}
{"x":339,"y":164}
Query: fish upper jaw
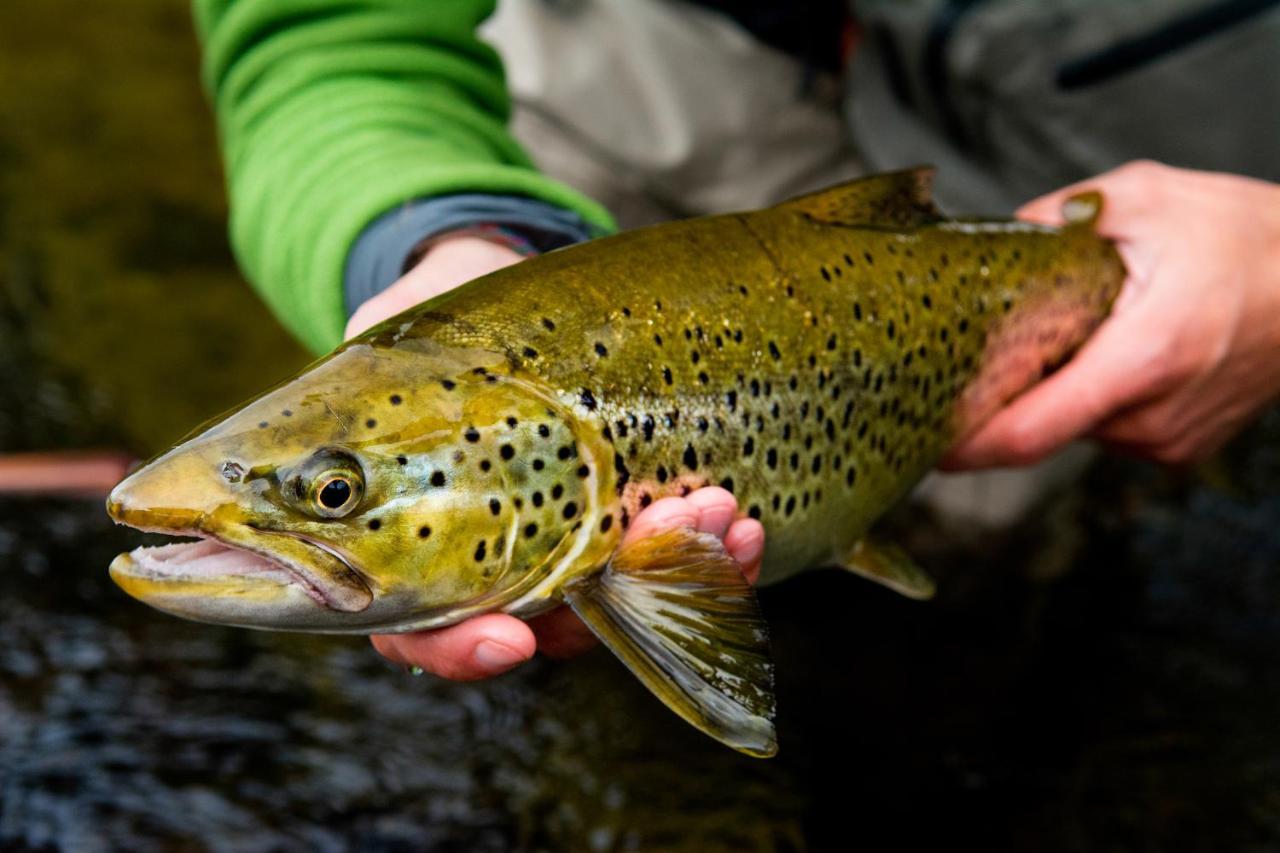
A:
{"x":237,"y":574}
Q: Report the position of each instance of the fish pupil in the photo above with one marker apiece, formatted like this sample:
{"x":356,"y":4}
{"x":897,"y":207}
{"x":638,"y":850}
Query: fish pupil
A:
{"x":335,"y":494}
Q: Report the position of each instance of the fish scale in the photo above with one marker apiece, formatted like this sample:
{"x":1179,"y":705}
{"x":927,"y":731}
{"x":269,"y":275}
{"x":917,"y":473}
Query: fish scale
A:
{"x":487,"y":451}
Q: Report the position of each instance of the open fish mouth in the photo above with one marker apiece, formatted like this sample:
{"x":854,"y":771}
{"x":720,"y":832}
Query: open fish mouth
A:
{"x":207,"y":559}
{"x":274,"y":581}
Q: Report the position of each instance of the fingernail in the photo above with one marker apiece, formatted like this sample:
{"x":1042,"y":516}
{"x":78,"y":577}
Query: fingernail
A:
{"x":495,"y":656}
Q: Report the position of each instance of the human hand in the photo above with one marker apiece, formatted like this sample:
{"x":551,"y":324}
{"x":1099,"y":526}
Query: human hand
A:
{"x":490,"y":644}
{"x":1191,"y":350}
{"x":449,"y":262}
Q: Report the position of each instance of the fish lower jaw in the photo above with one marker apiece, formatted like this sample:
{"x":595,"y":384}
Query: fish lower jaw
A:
{"x":204,"y":562}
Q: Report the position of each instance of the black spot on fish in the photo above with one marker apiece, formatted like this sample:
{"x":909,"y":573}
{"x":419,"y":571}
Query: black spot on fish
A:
{"x":530,"y":530}
{"x":588,"y":399}
{"x":495,"y":506}
{"x":731,"y":398}
{"x":424,"y":531}
{"x":606,"y":523}
{"x":727,"y":484}
{"x":437,"y":478}
{"x":601,"y":350}
{"x":471,"y":434}
{"x":564,"y":452}
{"x":548,"y":325}
{"x":374,"y":524}
{"x":661,"y":474}
{"x":448,"y":384}
{"x":773,"y":351}
{"x":695,"y":356}
{"x":645,"y":500}
{"x":402,"y":460}
{"x":396,"y":399}
{"x":850,"y":476}
{"x":791,"y":504}
{"x":690,"y":457}
{"x":657,"y":339}
{"x":506,"y":451}
{"x":771,"y":458}
{"x":826,"y":275}
{"x":485,"y":465}
{"x":530,"y":352}
{"x":262,"y":424}
{"x":647,"y":427}
{"x":479,"y":555}
{"x":570,"y":510}
{"x":512,"y":422}
{"x":666,"y":375}
{"x":557,"y":491}
{"x":288,"y":413}
{"x":749,"y":446}
{"x":702,"y":424}
{"x":703,"y":377}
{"x":754,"y":511}
{"x":583,"y":471}
{"x":536,"y":497}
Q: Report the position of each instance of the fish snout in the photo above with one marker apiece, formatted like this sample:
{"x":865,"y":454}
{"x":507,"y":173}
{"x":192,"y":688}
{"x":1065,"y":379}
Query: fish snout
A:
{"x":169,"y":494}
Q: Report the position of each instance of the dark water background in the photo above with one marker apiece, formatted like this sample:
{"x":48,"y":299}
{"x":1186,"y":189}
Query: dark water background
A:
{"x":1102,"y":677}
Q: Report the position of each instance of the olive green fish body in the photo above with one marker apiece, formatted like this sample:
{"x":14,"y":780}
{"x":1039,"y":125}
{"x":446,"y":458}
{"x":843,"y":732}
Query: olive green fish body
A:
{"x":816,"y":369}
{"x":487,"y":450}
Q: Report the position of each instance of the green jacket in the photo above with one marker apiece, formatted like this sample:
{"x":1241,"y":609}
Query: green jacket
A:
{"x":334,"y":113}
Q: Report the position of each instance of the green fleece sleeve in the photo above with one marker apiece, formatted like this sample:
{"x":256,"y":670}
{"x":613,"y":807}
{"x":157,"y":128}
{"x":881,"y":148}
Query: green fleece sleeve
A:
{"x":332,"y":112}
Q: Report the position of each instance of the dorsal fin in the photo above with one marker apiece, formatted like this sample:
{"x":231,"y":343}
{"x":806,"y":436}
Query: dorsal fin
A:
{"x":892,"y":200}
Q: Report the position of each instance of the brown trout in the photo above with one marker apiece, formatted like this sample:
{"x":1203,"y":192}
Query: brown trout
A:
{"x":486,"y":450}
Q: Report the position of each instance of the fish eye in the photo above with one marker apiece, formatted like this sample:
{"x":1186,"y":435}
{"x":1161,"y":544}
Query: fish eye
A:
{"x":335,"y":489}
{"x":335,"y":493}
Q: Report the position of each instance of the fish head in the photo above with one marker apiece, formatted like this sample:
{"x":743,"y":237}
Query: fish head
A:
{"x":383,"y":489}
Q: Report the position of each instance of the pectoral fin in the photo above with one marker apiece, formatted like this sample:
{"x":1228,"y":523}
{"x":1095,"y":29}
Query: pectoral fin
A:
{"x":677,"y":611}
{"x":887,"y":564}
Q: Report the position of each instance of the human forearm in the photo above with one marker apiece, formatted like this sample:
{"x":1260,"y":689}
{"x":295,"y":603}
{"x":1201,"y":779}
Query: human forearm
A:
{"x":332,"y":114}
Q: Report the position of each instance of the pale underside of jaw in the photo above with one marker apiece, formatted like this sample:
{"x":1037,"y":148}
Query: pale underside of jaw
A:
{"x":208,"y":559}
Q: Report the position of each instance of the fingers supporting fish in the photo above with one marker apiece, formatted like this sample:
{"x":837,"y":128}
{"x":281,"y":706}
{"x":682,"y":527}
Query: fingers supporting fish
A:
{"x":480,"y":647}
